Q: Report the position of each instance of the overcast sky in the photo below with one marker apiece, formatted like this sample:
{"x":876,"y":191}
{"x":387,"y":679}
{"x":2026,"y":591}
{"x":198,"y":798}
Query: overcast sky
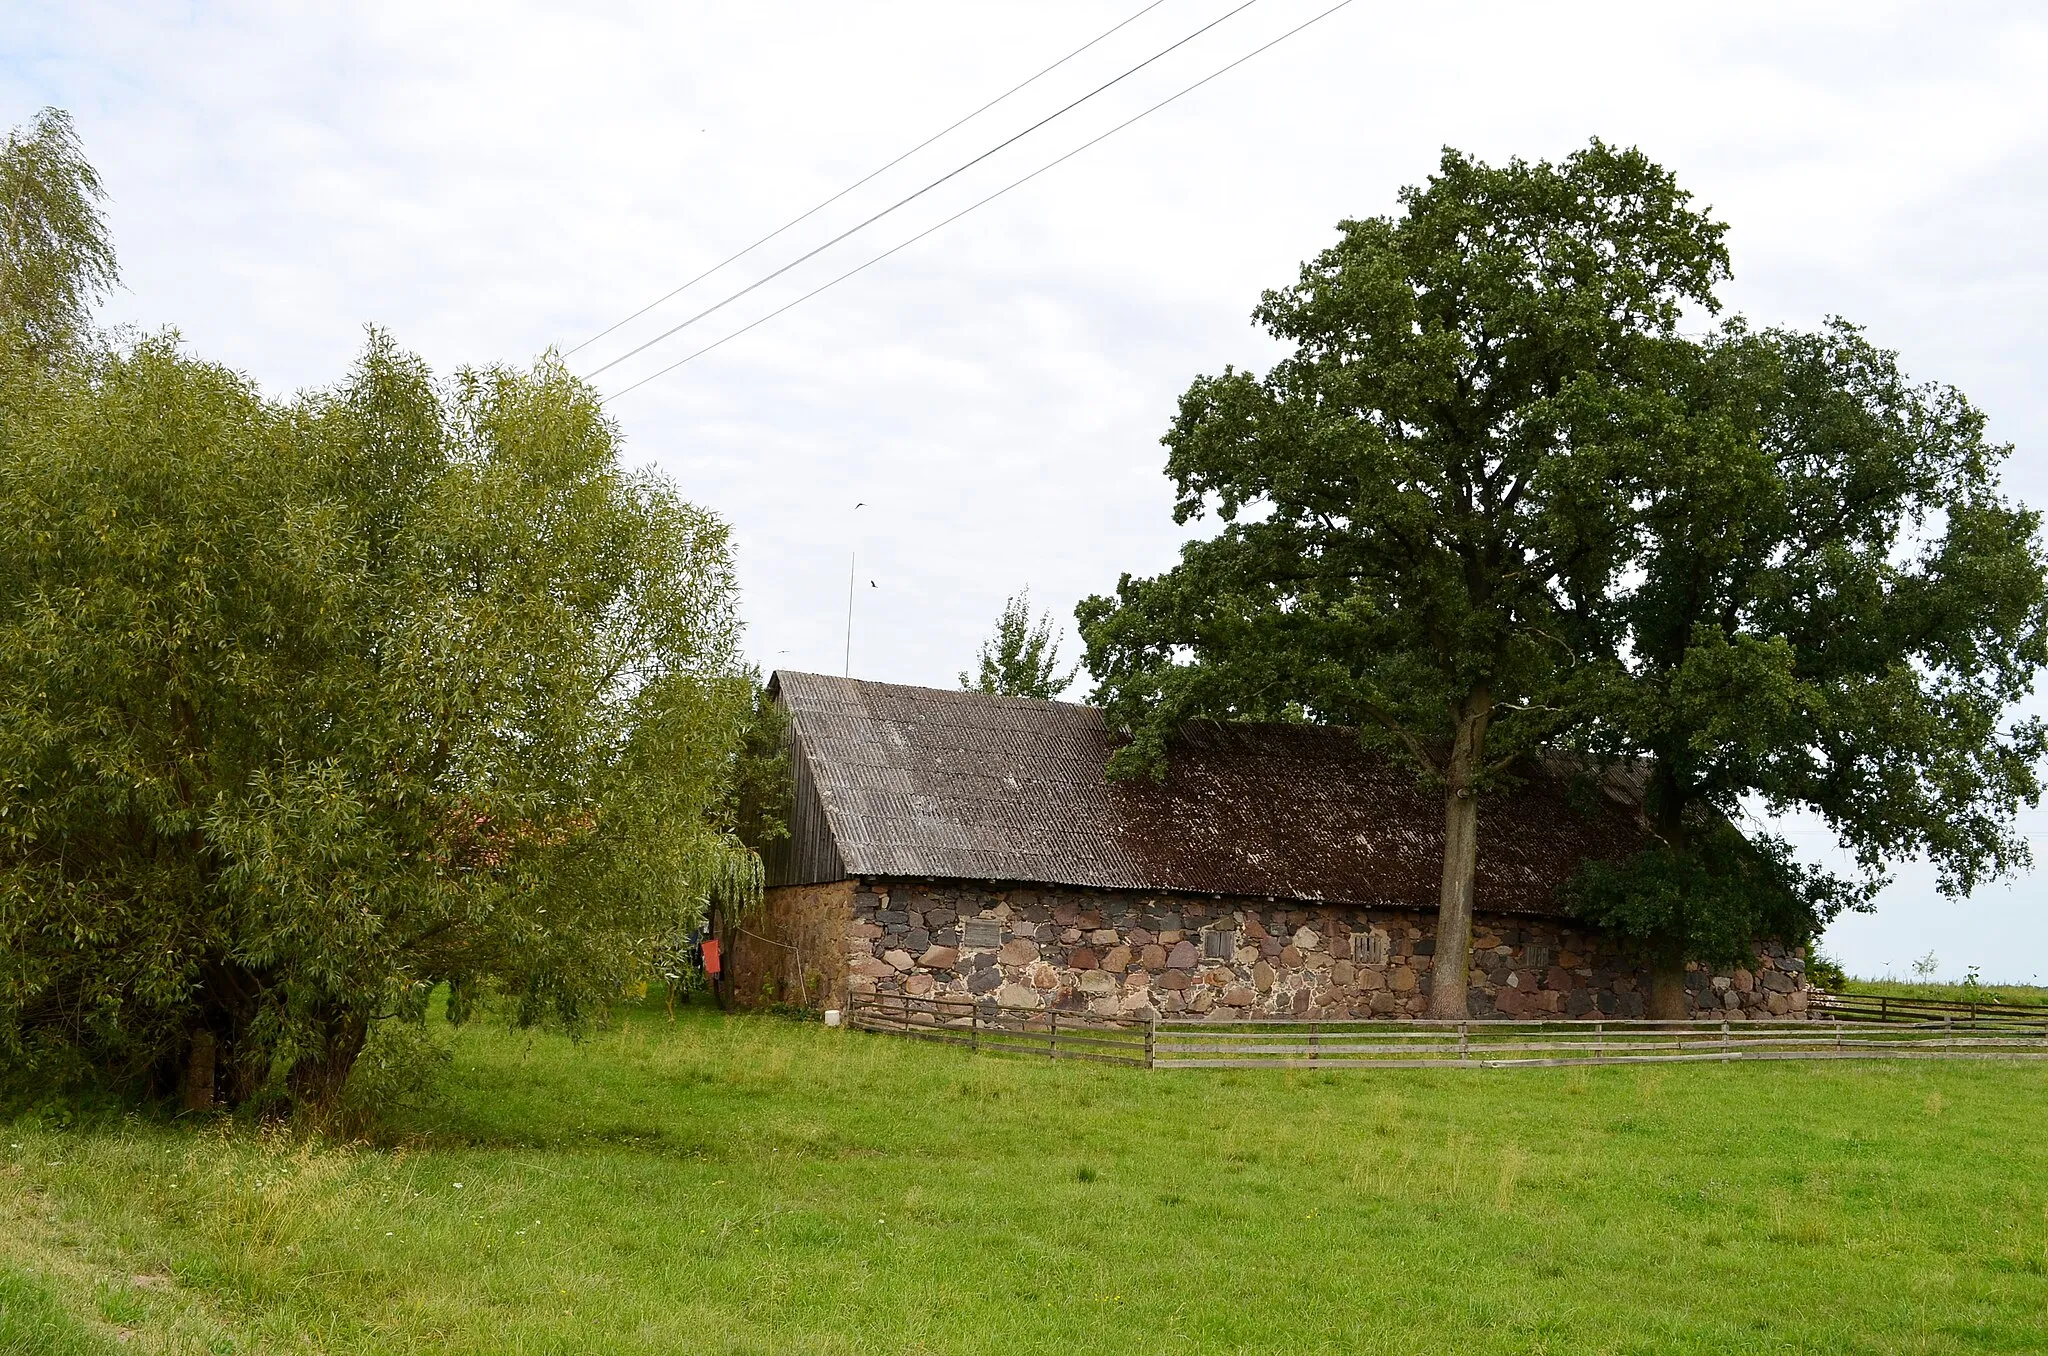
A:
{"x":490,"y":180}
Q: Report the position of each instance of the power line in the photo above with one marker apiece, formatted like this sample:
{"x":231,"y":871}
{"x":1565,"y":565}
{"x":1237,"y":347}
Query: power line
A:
{"x":798,"y":220}
{"x":981,"y":203}
{"x":674,"y":329}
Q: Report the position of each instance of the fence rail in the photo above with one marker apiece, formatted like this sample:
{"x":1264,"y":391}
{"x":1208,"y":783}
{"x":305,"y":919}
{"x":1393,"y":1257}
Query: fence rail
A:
{"x":961,"y":1021}
{"x":1878,"y":1007}
{"x":1198,"y":1043}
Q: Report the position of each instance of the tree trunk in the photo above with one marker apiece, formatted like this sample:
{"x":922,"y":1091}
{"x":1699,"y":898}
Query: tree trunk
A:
{"x":1448,"y":975}
{"x":317,"y":1081}
{"x":1667,"y":989}
{"x":1667,"y":956}
{"x":199,"y":1073}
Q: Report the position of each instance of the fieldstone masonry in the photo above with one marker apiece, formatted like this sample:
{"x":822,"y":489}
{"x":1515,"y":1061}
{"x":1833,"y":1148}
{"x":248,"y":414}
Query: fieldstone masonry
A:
{"x":1137,"y":955}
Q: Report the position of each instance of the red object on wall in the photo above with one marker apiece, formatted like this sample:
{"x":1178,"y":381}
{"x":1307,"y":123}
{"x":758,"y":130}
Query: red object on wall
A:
{"x":710,"y":955}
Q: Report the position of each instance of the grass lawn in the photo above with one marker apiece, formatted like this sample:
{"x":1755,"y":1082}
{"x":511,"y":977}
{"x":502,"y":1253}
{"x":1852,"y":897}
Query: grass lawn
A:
{"x":758,"y":1185}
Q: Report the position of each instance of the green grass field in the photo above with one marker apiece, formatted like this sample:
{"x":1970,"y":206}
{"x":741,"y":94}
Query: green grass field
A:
{"x":2020,"y":995}
{"x":760,"y":1185}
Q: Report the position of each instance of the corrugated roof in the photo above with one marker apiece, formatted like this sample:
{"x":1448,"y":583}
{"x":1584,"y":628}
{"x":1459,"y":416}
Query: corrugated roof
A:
{"x":925,"y":782}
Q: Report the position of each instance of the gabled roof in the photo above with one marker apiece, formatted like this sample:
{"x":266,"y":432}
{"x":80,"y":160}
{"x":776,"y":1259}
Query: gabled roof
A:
{"x":929,"y":783}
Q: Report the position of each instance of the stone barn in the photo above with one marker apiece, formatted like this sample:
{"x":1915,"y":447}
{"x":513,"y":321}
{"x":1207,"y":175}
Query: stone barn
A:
{"x":962,"y":844}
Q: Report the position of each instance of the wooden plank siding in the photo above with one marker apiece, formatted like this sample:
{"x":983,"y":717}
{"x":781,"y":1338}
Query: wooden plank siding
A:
{"x":809,"y":856}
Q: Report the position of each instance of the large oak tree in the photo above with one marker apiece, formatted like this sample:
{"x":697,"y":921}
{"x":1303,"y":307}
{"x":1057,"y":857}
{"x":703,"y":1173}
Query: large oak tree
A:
{"x":1424,"y":500}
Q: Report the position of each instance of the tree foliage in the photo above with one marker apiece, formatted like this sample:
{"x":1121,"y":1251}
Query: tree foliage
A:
{"x":1422,"y":503}
{"x":308,"y":705}
{"x":1831,"y":609}
{"x":1022,"y":657}
{"x":55,"y":258}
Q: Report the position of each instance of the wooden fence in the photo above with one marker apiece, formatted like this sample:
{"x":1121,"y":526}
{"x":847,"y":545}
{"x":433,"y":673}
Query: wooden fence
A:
{"x":1877,"y":1007}
{"x":960,"y":1021}
{"x":1294,"y":1043}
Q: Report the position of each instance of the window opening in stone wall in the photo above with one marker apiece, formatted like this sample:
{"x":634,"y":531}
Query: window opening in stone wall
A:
{"x":1374,"y":947}
{"x":1220,"y":943}
{"x":982,"y":932}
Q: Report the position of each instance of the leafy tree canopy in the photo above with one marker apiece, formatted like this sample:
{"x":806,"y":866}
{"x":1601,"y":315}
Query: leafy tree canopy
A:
{"x":1022,"y":657}
{"x":308,"y":705}
{"x":55,"y":258}
{"x":1424,"y":501}
{"x":1831,"y":609}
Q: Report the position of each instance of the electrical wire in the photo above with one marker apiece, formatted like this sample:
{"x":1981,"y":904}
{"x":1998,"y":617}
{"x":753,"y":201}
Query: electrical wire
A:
{"x":900,"y":202}
{"x":799,"y":220}
{"x":861,"y":268}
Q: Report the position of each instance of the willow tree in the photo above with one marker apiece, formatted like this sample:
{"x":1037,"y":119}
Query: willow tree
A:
{"x":306,"y":706}
{"x":55,"y":258}
{"x":1423,"y":501}
{"x":1833,"y":610}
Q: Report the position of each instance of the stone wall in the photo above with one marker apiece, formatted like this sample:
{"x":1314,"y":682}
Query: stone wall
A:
{"x":792,"y":949}
{"x":1137,"y":955}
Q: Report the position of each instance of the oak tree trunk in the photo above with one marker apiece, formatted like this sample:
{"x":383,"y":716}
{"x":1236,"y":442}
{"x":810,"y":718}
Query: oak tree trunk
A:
{"x":1455,"y":899}
{"x":1667,"y":989}
{"x":1667,"y":957}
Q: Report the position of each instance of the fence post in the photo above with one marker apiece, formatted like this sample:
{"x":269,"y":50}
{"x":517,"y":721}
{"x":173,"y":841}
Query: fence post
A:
{"x":1464,"y":1040}
{"x":1948,"y":1028}
{"x":1838,"y":1036}
{"x":1152,"y":1028}
{"x":1884,"y":1007}
{"x":1726,"y":1048}
{"x":1053,"y":1045}
{"x":1315,"y":1041}
{"x":974,"y":1029}
{"x":1599,"y":1039}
